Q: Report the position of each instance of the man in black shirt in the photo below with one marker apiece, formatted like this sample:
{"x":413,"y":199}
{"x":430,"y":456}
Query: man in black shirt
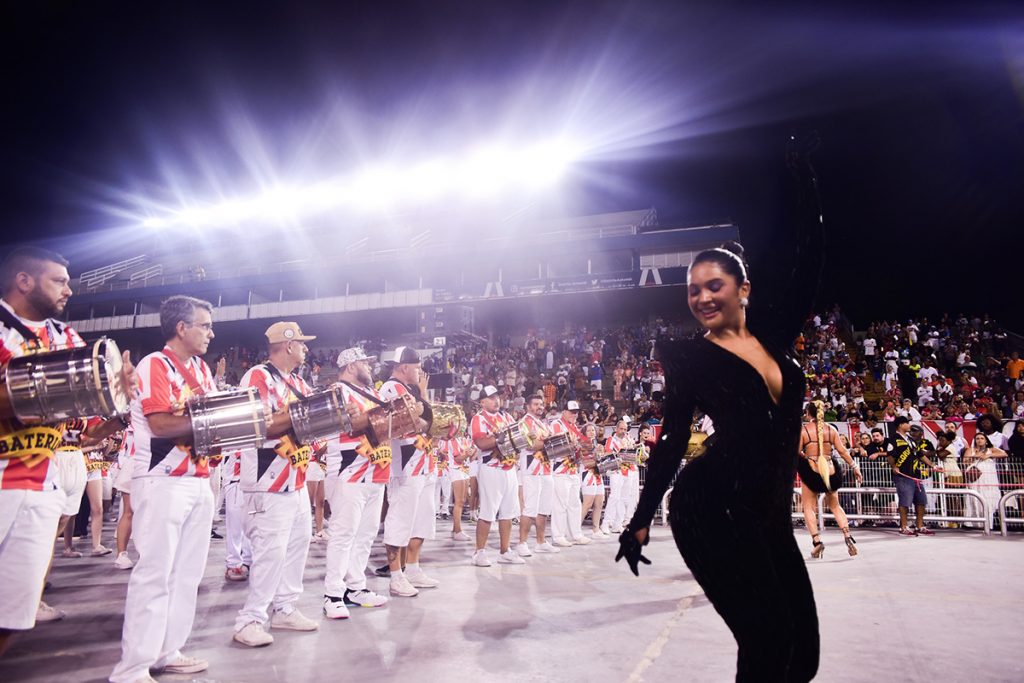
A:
{"x":905,"y":457}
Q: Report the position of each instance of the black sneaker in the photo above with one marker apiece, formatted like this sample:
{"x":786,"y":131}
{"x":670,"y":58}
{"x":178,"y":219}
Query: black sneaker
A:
{"x":384,"y":571}
{"x":214,"y":534}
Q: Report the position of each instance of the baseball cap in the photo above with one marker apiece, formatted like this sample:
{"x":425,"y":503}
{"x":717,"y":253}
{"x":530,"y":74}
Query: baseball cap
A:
{"x":286,"y":332}
{"x":351,"y":355}
{"x":405,"y":354}
{"x":489,"y":391}
{"x":572,"y":405}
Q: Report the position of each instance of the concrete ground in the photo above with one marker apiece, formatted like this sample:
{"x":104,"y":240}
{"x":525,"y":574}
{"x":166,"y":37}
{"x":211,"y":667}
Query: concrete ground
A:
{"x":942,"y":608}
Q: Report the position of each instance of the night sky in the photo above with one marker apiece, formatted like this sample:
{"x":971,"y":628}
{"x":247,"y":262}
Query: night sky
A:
{"x":920,"y":109}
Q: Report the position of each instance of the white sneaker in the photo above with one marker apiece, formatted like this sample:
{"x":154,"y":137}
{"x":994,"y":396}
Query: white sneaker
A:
{"x":46,"y":613}
{"x":184,"y":665}
{"x":546,"y":547}
{"x":334,"y":608}
{"x":480,"y":559}
{"x":615,"y":531}
{"x":252,"y":635}
{"x":461,"y":536}
{"x":293,"y":621}
{"x":420,"y":580}
{"x":510,"y":557}
{"x":321,"y":536}
{"x":582,"y":540}
{"x":364,"y":598}
{"x":562,"y":543}
{"x":122,"y":561}
{"x":604,"y":530}
{"x":597,"y":533}
{"x":523,"y":550}
{"x":474,"y":516}
{"x":401,"y":587}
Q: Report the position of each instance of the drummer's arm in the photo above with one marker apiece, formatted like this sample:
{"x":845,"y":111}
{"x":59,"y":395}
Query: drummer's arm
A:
{"x":101,"y":429}
{"x":485,"y":442}
{"x":169,"y":425}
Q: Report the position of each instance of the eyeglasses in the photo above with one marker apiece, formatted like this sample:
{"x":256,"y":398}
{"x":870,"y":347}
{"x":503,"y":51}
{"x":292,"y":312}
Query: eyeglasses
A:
{"x":206,"y":327}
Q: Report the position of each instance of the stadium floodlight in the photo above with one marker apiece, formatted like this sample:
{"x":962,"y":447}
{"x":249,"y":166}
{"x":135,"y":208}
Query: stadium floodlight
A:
{"x":483,"y":174}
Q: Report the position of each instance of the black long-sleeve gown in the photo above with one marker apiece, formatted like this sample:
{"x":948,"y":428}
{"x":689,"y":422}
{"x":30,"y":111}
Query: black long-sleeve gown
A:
{"x":730,"y":508}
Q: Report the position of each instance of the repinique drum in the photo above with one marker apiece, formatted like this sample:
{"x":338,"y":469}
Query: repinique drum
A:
{"x":50,"y":387}
{"x":227,"y":420}
{"x":608,"y":463}
{"x":395,"y":420}
{"x":629,"y":455}
{"x":513,"y":439}
{"x":319,"y":415}
{"x":449,"y":421}
{"x":559,"y":448}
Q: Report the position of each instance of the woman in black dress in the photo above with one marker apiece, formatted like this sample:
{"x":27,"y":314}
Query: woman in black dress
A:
{"x":730,"y":508}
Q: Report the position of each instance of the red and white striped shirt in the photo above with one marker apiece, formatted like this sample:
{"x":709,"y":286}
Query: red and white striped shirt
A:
{"x":163,"y":389}
{"x":280,"y":464}
{"x":26,"y":453}
{"x":560,"y":426}
{"x":489,"y":424}
{"x":412,"y":455}
{"x":351,"y":456}
{"x":531,"y":460}
{"x":616,"y":444}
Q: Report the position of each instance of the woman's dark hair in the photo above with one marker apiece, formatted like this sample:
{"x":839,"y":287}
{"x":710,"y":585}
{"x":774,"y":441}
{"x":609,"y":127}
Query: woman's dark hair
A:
{"x":729,"y":258}
{"x":988,"y":442}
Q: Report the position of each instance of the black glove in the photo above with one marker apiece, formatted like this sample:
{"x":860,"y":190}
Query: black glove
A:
{"x":630,"y":548}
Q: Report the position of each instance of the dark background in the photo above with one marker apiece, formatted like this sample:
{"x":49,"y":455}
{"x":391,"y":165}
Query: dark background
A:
{"x":919,"y":107}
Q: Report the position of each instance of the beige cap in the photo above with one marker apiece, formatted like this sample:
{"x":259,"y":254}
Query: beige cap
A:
{"x":286,"y":332}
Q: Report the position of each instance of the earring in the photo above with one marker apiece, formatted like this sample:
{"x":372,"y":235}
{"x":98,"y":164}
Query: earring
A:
{"x":744,"y":301}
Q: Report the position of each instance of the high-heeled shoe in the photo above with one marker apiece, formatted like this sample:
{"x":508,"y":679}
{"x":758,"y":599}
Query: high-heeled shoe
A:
{"x":851,"y":542}
{"x":819,"y":547}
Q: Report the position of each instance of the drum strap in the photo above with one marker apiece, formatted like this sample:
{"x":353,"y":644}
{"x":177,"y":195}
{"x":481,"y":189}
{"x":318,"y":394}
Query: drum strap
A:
{"x":12,"y":321}
{"x":365,"y":394}
{"x":276,"y":374}
{"x":183,"y":370}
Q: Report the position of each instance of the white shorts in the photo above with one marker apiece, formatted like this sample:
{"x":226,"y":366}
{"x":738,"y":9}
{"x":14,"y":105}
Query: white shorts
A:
{"x":315,"y":473}
{"x":538,"y":494}
{"x":28,"y":524}
{"x":411,"y":510}
{"x":455,"y":474}
{"x":108,"y":488}
{"x":499,"y":494}
{"x":474,"y":468}
{"x":71,"y":468}
{"x":123,"y":481}
{"x":594,"y":488}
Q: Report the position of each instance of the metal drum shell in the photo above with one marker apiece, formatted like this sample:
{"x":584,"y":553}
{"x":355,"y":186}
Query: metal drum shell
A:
{"x":609,"y":463}
{"x":395,"y":420}
{"x":319,"y":415}
{"x":449,"y":421}
{"x":559,"y":447}
{"x":513,"y":439}
{"x":227,"y":420}
{"x":59,"y":385}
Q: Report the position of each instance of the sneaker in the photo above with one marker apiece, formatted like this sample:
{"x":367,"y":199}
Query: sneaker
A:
{"x":46,"y":613}
{"x":236,"y":573}
{"x":100,"y":551}
{"x":185,"y":665}
{"x":321,"y":536}
{"x":252,"y":635}
{"x":907,"y":532}
{"x":510,"y":557}
{"x":523,"y":550}
{"x":384,"y":571}
{"x":460,"y":536}
{"x":605,"y":531}
{"x":480,"y":559}
{"x":401,"y":587}
{"x":122,"y":561}
{"x":214,"y":534}
{"x":474,"y":515}
{"x":925,"y":531}
{"x":597,"y":533}
{"x":364,"y":598}
{"x":71,"y":552}
{"x":420,"y":580}
{"x":582,"y":540}
{"x":546,"y":547}
{"x":293,"y":621}
{"x":615,"y":530}
{"x":561,"y":543}
{"x":334,"y":608}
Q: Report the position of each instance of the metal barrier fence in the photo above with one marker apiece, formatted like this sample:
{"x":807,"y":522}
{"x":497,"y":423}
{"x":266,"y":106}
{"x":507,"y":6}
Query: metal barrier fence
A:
{"x":1004,"y":517}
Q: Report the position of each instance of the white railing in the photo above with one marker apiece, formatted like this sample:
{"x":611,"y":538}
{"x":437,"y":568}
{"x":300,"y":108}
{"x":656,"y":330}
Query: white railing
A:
{"x":141,"y":276}
{"x":98,"y":276}
{"x":1007,"y":497}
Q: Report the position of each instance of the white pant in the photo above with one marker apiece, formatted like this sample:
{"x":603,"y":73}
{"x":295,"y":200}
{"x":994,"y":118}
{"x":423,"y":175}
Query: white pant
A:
{"x":277,"y":526}
{"x":239,"y":550}
{"x":355,"y":517}
{"x":538,"y":495}
{"x":171,"y":530}
{"x":444,"y":482}
{"x":411,"y":509}
{"x":566,"y":517}
{"x":71,"y":465}
{"x":28,"y":524}
{"x":620,"y":501}
{"x":499,"y":493}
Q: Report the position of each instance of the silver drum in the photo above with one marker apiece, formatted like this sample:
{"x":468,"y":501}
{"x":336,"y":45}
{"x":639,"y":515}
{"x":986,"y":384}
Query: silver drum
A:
{"x":228,"y":420}
{"x":319,"y":415}
{"x":513,"y":439}
{"x":84,"y":382}
{"x":559,"y":448}
{"x":608,"y":463}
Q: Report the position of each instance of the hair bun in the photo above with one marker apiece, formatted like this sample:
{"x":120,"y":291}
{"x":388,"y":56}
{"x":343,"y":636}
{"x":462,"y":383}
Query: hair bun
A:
{"x":733,"y":248}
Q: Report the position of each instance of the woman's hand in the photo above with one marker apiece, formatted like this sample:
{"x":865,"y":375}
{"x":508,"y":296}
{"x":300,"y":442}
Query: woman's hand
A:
{"x":631,"y":544}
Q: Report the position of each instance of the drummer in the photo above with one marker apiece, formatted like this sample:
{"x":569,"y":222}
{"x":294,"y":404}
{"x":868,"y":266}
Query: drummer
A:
{"x":567,"y":509}
{"x":171,"y":498}
{"x":538,"y":483}
{"x":620,"y":500}
{"x":410,"y":517}
{"x":277,"y":519}
{"x":35,"y":286}
{"x":499,"y":495}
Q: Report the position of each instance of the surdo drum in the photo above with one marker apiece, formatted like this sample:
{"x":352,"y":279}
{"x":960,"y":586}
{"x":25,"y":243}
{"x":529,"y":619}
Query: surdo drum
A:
{"x":228,"y":420}
{"x":319,"y":415}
